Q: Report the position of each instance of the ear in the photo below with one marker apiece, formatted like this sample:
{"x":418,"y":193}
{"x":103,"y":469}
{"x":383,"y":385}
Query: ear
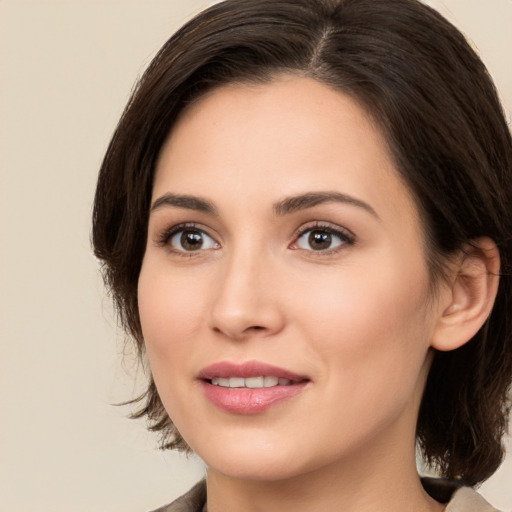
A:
{"x":466,"y":300}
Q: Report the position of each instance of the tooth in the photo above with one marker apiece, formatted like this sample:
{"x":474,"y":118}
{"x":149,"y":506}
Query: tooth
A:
{"x":219,"y":381}
{"x":250,"y":382}
{"x":254,"y":382}
{"x":236,"y":382}
{"x":269,"y":382}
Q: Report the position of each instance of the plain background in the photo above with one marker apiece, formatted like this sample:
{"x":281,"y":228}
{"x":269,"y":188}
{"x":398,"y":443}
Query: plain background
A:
{"x":66,"y":71}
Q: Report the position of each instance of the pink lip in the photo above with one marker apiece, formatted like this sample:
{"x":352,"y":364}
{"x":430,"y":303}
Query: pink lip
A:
{"x":245,"y":400}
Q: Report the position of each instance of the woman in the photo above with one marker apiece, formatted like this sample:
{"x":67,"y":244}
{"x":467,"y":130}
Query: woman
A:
{"x":305,"y":223}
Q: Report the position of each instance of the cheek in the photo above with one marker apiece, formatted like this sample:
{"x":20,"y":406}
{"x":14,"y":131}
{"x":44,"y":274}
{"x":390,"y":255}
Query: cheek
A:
{"x":170,"y":310}
{"x":372,"y":344}
{"x":373,"y":321}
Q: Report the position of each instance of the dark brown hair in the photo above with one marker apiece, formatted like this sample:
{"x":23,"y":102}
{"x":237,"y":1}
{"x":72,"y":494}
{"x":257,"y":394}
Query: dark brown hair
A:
{"x":432,"y":97}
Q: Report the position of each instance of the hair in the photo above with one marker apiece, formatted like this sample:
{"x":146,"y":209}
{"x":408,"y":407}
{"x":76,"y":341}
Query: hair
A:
{"x":433,"y":99}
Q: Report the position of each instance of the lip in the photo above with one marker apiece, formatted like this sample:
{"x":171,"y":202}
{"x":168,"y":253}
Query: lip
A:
{"x":246,"y":400}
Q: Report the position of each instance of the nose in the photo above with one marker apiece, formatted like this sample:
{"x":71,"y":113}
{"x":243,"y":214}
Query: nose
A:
{"x":246,"y":302}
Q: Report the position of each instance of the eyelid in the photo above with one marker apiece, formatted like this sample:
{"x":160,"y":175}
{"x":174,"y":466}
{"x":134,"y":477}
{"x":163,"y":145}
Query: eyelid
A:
{"x":343,"y":233}
{"x":164,"y":237}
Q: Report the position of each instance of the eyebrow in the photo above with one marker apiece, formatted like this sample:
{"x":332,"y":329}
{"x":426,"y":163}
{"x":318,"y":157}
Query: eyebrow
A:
{"x":184,"y":201}
{"x":286,"y":206}
{"x":310,"y":199}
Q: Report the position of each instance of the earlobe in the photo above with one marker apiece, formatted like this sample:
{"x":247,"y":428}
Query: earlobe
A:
{"x":468,"y":300}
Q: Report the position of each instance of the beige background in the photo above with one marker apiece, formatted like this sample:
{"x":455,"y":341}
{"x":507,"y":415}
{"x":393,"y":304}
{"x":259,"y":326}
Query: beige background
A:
{"x":66,"y":70}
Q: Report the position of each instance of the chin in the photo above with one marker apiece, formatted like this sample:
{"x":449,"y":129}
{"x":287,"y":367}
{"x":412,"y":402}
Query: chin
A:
{"x":266,"y":460}
{"x":258,"y":469}
{"x":251,"y":458}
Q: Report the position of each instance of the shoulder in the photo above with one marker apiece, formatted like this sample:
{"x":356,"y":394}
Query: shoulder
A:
{"x":193,"y":501}
{"x":466,"y":499}
{"x":457,"y":497}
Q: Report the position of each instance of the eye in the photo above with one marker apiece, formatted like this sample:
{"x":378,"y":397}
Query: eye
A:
{"x":189,"y":239}
{"x":322,"y":238}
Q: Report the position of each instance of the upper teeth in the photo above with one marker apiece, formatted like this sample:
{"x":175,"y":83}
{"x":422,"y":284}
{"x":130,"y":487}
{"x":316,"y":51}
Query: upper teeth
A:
{"x":249,"y":382}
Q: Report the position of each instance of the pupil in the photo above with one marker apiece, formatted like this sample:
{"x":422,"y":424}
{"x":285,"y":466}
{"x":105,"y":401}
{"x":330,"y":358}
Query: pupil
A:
{"x":320,"y":240}
{"x":191,"y":241}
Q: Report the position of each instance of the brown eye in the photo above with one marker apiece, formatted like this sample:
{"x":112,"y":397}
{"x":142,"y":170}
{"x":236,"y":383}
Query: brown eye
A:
{"x":322,"y":239}
{"x":188,"y":240}
{"x":191,"y":241}
{"x":319,"y":240}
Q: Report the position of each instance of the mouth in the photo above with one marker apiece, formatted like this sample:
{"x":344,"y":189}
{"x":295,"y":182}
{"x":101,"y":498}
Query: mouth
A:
{"x":249,"y":388}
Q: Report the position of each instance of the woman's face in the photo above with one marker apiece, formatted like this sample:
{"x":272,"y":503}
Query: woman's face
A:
{"x":284,"y":294}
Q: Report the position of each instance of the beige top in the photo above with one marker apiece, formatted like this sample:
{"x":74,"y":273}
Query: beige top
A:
{"x":463,"y":499}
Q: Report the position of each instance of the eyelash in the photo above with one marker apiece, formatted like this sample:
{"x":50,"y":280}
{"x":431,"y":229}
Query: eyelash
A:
{"x":346,"y":237}
{"x":164,"y":238}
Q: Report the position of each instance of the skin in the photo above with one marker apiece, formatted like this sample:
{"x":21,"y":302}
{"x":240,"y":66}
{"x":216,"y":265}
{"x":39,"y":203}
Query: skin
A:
{"x":358,"y":319}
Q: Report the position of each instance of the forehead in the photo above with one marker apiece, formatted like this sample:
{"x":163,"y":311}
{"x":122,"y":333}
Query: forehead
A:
{"x":286,"y":137}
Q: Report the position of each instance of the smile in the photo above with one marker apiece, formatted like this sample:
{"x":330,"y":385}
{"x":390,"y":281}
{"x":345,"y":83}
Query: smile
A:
{"x":249,"y":388}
